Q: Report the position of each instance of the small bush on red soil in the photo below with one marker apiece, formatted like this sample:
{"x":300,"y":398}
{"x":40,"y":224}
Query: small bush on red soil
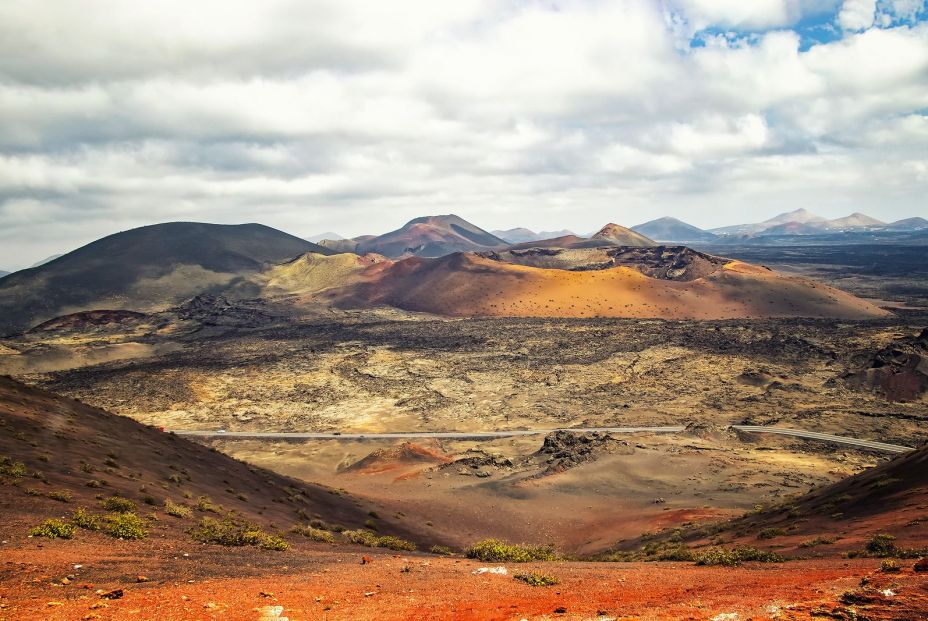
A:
{"x":53,"y":529}
{"x":176,"y":510}
{"x":442,"y":550}
{"x":496,"y":551}
{"x":10,"y":468}
{"x":60,"y":496}
{"x":119,"y":505}
{"x":84,"y":519}
{"x":921,"y":565}
{"x":883,"y":545}
{"x":373,"y":540}
{"x":889,"y":566}
{"x":732,"y":557}
{"x":817,"y":541}
{"x":771,"y":533}
{"x":230,"y":532}
{"x":315,"y":534}
{"x":537,"y":579}
{"x":125,"y":526}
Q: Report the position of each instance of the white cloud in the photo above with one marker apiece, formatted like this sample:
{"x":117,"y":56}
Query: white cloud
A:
{"x":355,"y":116}
{"x":857,"y":14}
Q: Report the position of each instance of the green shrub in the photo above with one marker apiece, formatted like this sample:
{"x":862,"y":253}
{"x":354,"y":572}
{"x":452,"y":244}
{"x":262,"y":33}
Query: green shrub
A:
{"x":53,"y":529}
{"x":496,"y":551}
{"x":372,"y":540}
{"x":118,"y":504}
{"x":315,"y":534}
{"x":537,"y":579}
{"x":10,"y":468}
{"x":60,"y":496}
{"x":817,"y":541}
{"x":882,"y":545}
{"x":84,"y":519}
{"x":31,"y":491}
{"x":731,"y":557}
{"x":889,"y":566}
{"x":206,"y":504}
{"x":125,"y":526}
{"x":771,"y":533}
{"x":230,"y":532}
{"x":177,"y":510}
{"x":443,"y":550}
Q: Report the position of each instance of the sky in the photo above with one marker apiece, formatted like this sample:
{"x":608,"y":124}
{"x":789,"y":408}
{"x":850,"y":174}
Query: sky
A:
{"x":356,"y":116}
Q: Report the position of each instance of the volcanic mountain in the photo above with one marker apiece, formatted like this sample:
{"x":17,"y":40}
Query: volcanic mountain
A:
{"x":652,"y":284}
{"x":672,"y":230}
{"x":430,"y":236}
{"x":856,"y":220}
{"x":4,"y":273}
{"x":802,"y":216}
{"x":609,"y":235}
{"x":144,"y":268}
{"x":907,"y":224}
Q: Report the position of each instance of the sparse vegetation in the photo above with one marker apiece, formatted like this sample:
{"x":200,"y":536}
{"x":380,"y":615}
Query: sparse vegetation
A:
{"x":60,"y":495}
{"x":53,"y":529}
{"x":537,"y":580}
{"x":231,"y":532}
{"x":84,"y":519}
{"x":205,"y":504}
{"x":771,"y":533}
{"x":732,"y":557}
{"x":817,"y":541}
{"x":176,"y":510}
{"x":889,"y":566}
{"x":10,"y":468}
{"x":118,"y":504}
{"x":883,"y":545}
{"x":373,"y":540}
{"x":125,"y":526}
{"x":315,"y":534}
{"x":440,"y":549}
{"x":495,"y":550}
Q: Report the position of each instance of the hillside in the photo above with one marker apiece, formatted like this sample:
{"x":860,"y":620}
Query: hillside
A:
{"x":672,"y":230}
{"x":522,"y":235}
{"x":145,"y":268}
{"x":907,"y":224}
{"x":430,"y":236}
{"x":466,"y":284}
{"x":84,"y":452}
{"x":609,"y":235}
{"x":313,"y":272}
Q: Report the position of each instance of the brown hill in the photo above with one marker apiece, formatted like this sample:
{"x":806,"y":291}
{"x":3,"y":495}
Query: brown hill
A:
{"x":81,"y":453}
{"x":621,"y":236}
{"x":609,"y":235}
{"x":467,"y":284}
{"x":313,"y":272}
{"x":144,"y":269}
{"x":431,"y":236}
{"x":898,"y":372}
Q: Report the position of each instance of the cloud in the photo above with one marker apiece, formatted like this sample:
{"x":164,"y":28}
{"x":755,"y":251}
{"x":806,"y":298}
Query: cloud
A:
{"x":355,"y":116}
{"x":857,"y":14}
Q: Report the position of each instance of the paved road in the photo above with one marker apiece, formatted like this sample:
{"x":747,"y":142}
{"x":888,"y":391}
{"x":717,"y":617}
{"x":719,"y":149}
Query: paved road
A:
{"x":479,"y":435}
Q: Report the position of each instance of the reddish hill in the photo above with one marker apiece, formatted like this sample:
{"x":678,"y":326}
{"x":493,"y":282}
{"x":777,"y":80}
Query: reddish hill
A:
{"x":609,"y":235}
{"x":466,"y":284}
{"x":431,"y":236}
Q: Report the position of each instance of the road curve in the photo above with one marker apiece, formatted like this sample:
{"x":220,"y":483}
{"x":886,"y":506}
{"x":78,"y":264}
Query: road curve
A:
{"x":482,"y":435}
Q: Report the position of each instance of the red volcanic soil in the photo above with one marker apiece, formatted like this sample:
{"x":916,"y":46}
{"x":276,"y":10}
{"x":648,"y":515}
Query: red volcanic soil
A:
{"x":406,"y":456}
{"x":465,"y":284}
{"x":324,"y":582}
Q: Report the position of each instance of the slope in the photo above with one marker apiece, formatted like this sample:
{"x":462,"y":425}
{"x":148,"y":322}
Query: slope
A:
{"x":672,"y":230}
{"x":466,"y":284}
{"x":431,"y":236}
{"x":144,"y":268}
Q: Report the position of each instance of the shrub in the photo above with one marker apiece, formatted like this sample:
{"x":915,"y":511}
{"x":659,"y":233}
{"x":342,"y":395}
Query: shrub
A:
{"x":118,"y":504}
{"x":372,"y":540}
{"x":443,"y":550}
{"x":315,"y":534}
{"x":889,"y":566}
{"x":53,"y":529}
{"x":84,"y":519}
{"x":178,"y":511}
{"x":537,"y":579}
{"x":817,"y":541}
{"x":11,"y":468}
{"x":495,"y":551}
{"x":94,"y":483}
{"x":731,"y":557}
{"x":31,"y":491}
{"x":205,"y":503}
{"x":882,"y":545}
{"x":229,"y":532}
{"x":126,"y":526}
{"x":771,"y":533}
{"x":60,"y":496}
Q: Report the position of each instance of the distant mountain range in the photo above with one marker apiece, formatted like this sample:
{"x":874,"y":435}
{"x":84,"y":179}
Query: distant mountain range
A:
{"x":803,"y":222}
{"x":673,"y":230}
{"x":522,"y":235}
{"x":323,"y":236}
